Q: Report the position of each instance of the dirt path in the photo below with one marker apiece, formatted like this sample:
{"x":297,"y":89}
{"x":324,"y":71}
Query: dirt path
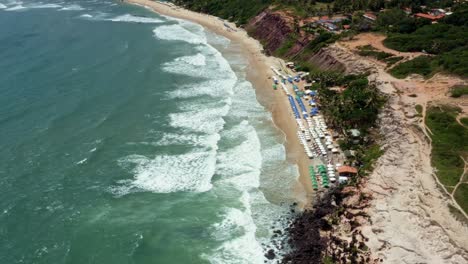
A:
{"x":462,"y":179}
{"x":451,"y":194}
{"x":410,"y":217}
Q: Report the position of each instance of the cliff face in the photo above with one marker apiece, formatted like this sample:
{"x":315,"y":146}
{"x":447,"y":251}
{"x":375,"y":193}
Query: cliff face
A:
{"x":274,"y":29}
{"x":271,"y":29}
{"x":325,"y":60}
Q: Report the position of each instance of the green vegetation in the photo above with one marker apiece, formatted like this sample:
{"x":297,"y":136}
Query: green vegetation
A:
{"x":281,"y":52}
{"x":239,"y":11}
{"x":328,"y":260}
{"x":446,"y":40}
{"x":357,"y":106}
{"x":419,"y":108}
{"x":464,"y":121}
{"x":455,"y":62}
{"x":392,"y":60}
{"x":461,"y":196}
{"x":397,"y":21}
{"x":377,"y":5}
{"x":434,"y":39}
{"x":449,"y":142}
{"x":368,"y":50}
{"x":458,"y":91}
{"x":420,"y":65}
{"x":325,"y":38}
{"x":368,"y":158}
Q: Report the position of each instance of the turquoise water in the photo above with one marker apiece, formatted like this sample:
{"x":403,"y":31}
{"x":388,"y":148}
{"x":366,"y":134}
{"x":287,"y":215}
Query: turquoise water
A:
{"x":128,"y":137}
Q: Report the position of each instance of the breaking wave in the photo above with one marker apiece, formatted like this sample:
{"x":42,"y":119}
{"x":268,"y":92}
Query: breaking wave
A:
{"x":178,"y":33}
{"x":135,"y":19}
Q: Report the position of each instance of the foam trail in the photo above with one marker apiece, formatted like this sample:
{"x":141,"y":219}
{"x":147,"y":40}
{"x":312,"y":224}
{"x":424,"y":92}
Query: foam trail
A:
{"x":73,"y":7}
{"x":135,"y":19}
{"x":242,"y":249}
{"x":16,"y":8}
{"x":208,"y":120}
{"x":177,"y":32}
{"x":199,"y":89}
{"x":40,"y":6}
{"x":244,"y":173}
{"x":82,"y":161}
{"x":2,"y":6}
{"x":172,"y":173}
{"x":86,"y":16}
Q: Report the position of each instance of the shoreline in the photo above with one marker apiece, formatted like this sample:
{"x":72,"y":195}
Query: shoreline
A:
{"x":258,"y":73}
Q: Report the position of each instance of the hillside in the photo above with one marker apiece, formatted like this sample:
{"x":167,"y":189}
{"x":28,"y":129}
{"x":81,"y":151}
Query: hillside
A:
{"x":298,"y":30}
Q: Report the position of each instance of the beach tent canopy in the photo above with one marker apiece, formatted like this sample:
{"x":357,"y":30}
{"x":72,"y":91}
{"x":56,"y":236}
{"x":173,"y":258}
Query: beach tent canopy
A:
{"x":347,"y":170}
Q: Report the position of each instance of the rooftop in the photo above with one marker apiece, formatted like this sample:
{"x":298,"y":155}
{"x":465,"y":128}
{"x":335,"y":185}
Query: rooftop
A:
{"x":428,"y":16}
{"x":347,"y":169}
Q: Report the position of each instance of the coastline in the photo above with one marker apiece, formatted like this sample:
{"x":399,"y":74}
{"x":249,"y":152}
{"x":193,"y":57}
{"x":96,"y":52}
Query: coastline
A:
{"x":258,"y":73}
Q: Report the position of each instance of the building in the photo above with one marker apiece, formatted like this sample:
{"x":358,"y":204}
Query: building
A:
{"x":347,"y":171}
{"x":370,"y":16}
{"x":428,"y":16}
{"x":329,"y":26}
{"x":437,"y":12}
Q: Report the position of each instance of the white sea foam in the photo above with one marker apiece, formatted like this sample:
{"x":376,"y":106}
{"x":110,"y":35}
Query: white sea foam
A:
{"x":73,"y":7}
{"x":86,"y":16}
{"x":205,"y":120}
{"x":172,"y":173}
{"x":135,"y":19}
{"x":40,"y":6}
{"x":2,"y":6}
{"x":244,"y":173}
{"x":82,"y":161}
{"x":177,"y":32}
{"x":169,"y":139}
{"x":208,"y":64}
{"x":213,"y":88}
{"x":16,"y":8}
{"x":196,"y":60}
{"x":244,"y":248}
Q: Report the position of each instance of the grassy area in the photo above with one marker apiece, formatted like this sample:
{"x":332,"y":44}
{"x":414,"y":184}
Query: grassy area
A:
{"x":281,"y":51}
{"x":370,"y":51}
{"x":420,"y":65}
{"x":419,"y":108}
{"x":371,"y":155}
{"x":449,"y":142}
{"x":464,"y":121}
{"x":445,"y":40}
{"x":458,"y":91}
{"x":392,"y":60}
{"x":461,"y":196}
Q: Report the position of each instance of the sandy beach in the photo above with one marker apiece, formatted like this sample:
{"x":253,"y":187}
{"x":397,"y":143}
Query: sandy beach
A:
{"x":259,"y":74}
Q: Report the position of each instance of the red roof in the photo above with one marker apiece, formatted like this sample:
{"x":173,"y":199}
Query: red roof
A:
{"x":370,"y":16}
{"x":347,"y":169}
{"x":427,"y":16}
{"x":346,"y":26}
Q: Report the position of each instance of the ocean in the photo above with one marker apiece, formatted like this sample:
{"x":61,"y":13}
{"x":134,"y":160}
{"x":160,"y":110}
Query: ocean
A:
{"x":130,"y":137}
